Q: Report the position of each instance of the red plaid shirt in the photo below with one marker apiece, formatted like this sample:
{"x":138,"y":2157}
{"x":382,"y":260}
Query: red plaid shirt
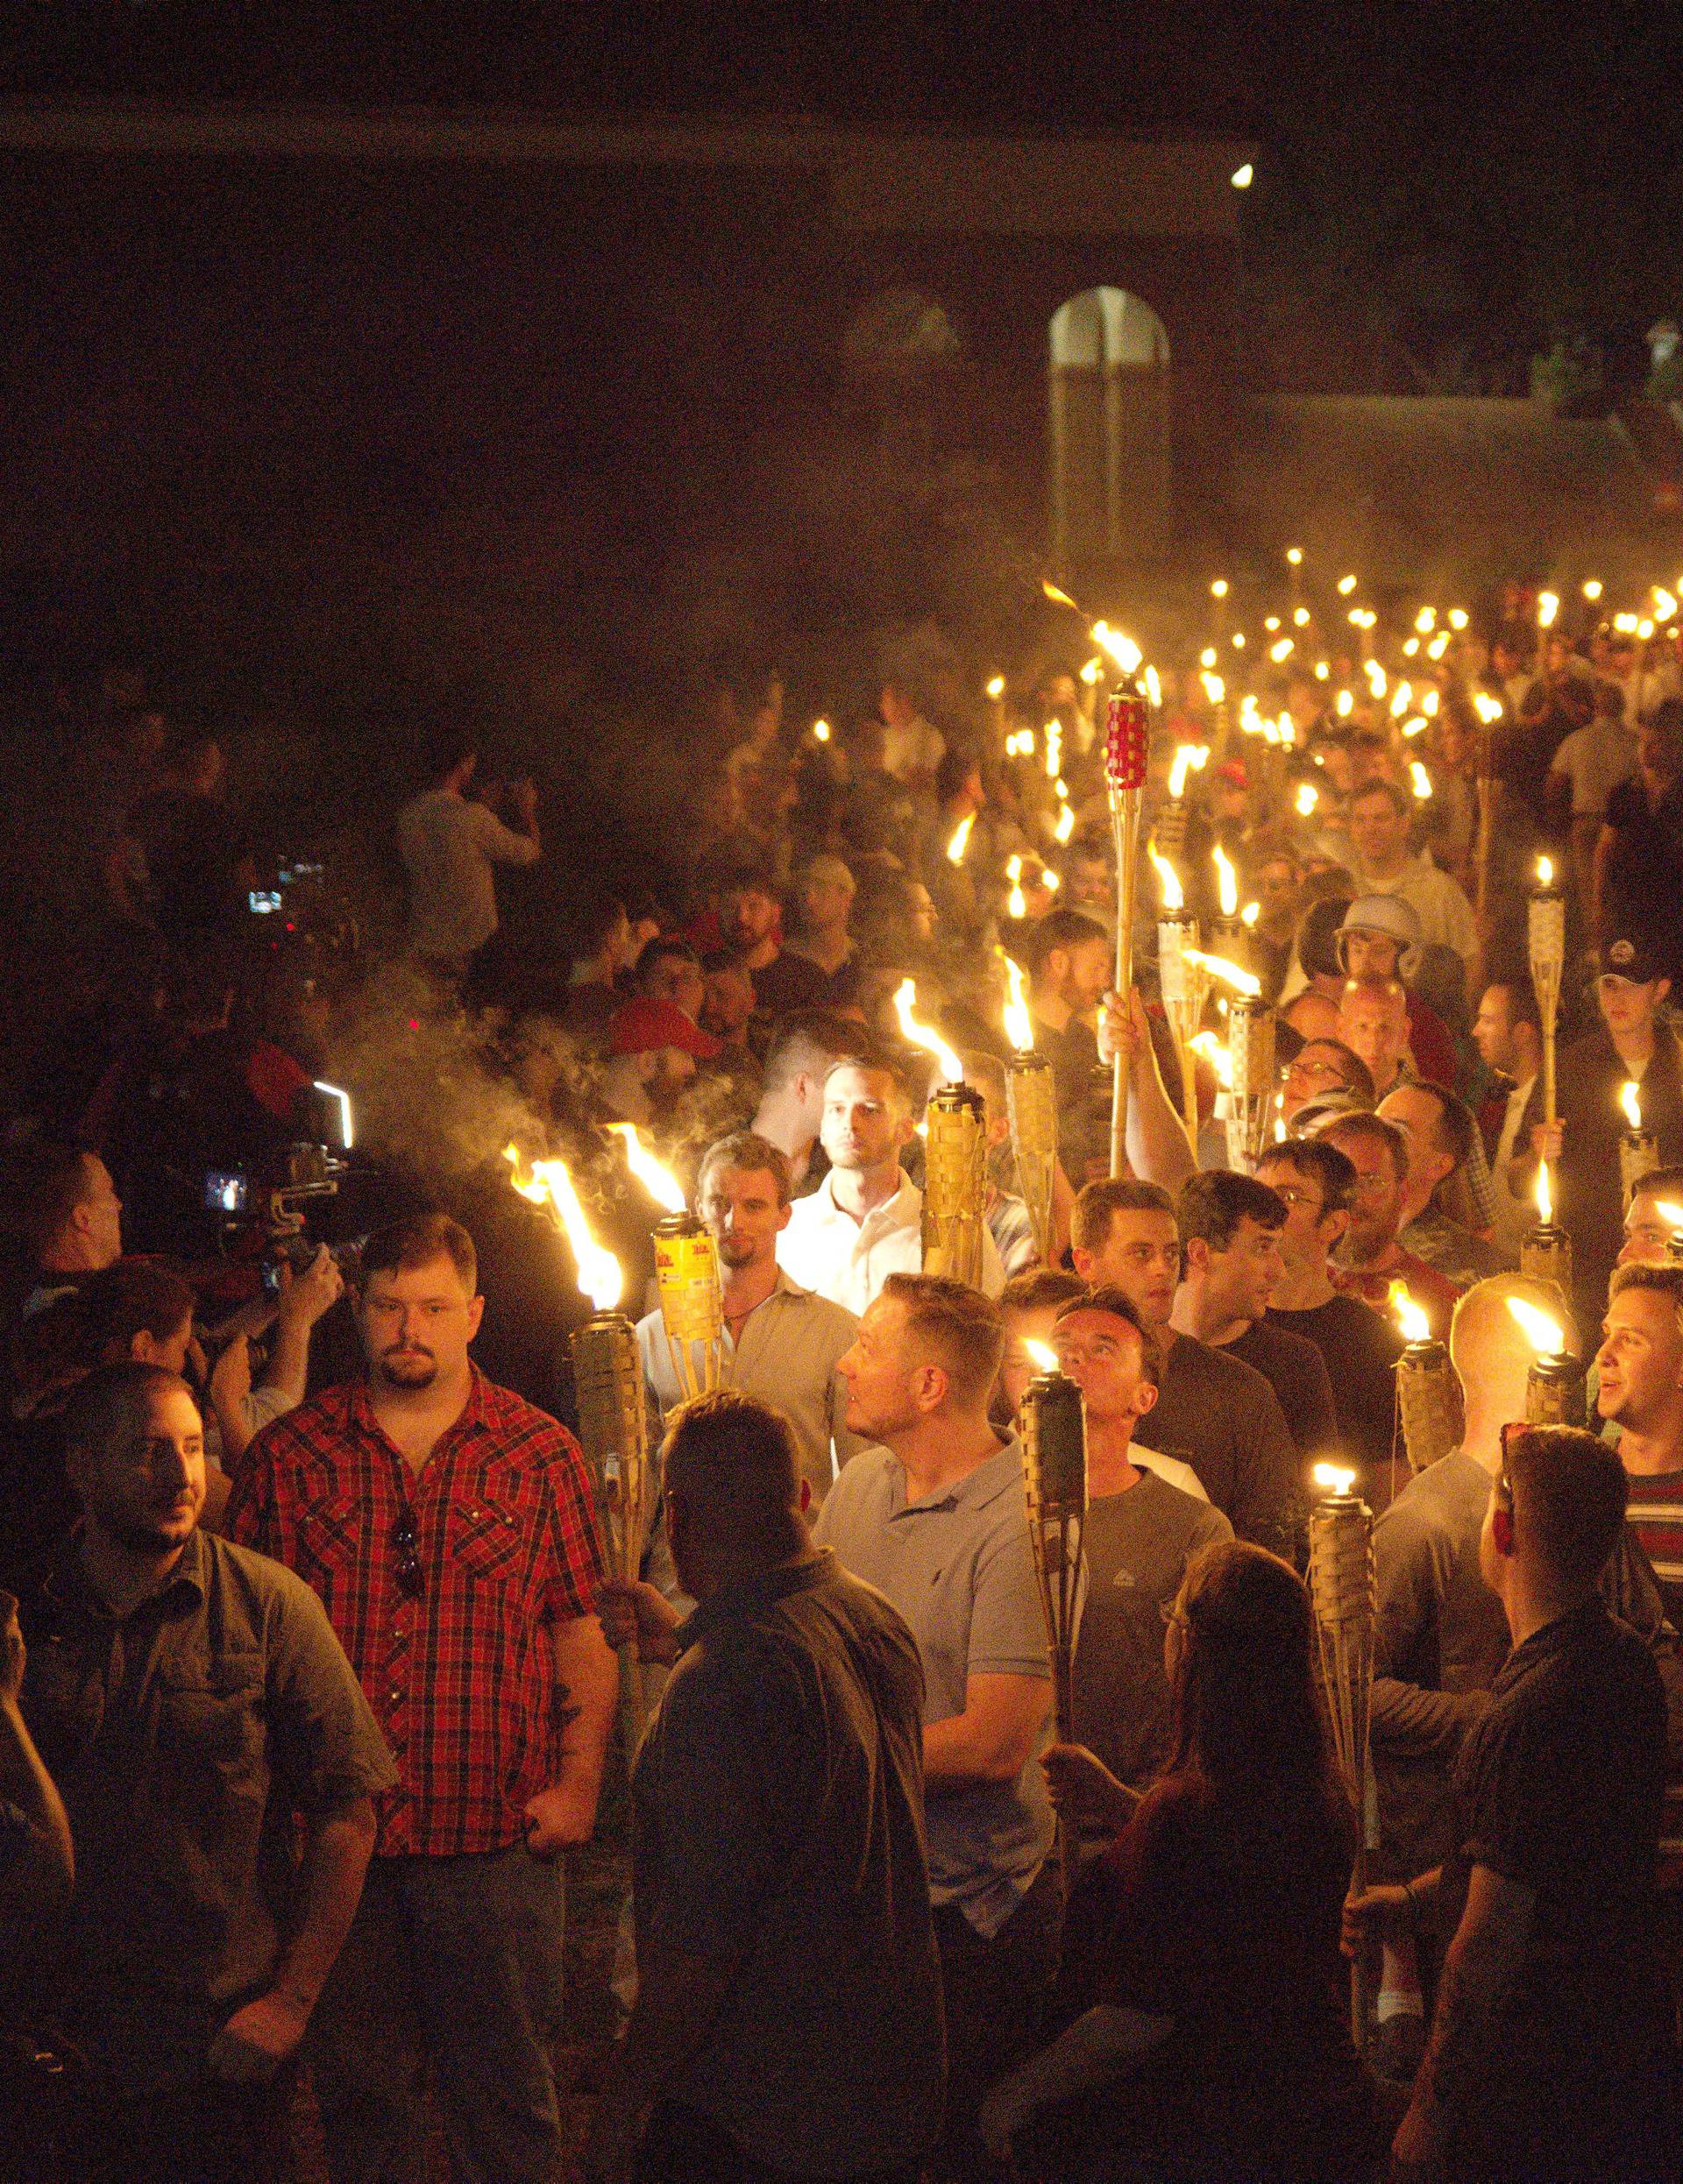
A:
{"x":462,"y":1678}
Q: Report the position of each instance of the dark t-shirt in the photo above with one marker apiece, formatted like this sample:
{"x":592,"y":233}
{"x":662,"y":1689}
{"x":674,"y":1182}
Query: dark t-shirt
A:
{"x":1297,"y":1373}
{"x":1558,"y":1789}
{"x":1224,"y":1419}
{"x":1644,"y":867}
{"x":1361,"y":1349}
{"x":788,"y":982}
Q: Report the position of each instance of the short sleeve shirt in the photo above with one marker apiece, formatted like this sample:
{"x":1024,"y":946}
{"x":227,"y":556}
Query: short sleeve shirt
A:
{"x":461,"y":1674}
{"x":958,"y":1568}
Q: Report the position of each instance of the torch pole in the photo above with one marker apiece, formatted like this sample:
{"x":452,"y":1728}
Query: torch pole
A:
{"x":1126,"y":741}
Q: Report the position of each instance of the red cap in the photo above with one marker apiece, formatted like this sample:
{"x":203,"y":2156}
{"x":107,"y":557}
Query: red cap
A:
{"x":644,"y":1024}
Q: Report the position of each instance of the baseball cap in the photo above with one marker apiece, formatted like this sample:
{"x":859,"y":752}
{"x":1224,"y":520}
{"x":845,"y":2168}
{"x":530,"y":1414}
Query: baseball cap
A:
{"x":1629,"y":959}
{"x":645,"y":1023}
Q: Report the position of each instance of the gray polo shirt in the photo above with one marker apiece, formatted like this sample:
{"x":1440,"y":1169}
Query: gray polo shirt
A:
{"x":776,"y":1820}
{"x":786,"y":1357}
{"x":958,"y":1568}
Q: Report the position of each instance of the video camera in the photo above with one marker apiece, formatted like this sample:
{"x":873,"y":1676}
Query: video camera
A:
{"x":276,"y":1201}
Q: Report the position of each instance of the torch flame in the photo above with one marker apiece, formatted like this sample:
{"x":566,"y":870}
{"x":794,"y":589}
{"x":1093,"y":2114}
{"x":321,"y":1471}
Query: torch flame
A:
{"x":1154,"y":687}
{"x":1019,"y":1025}
{"x":1548,"y":606}
{"x":1065,"y":826}
{"x":1189,"y":758}
{"x":961,"y":840}
{"x":660,"y":1183}
{"x":1249,"y":915}
{"x":550,"y":1186}
{"x":1410,"y":1317}
{"x":1671,"y":1213}
{"x":1419,"y":779}
{"x":1488,"y":709}
{"x":1120,"y":646}
{"x":997,"y":686}
{"x":1347,"y":585}
{"x":1219,"y":967}
{"x":1308,"y":797}
{"x":1630,"y":1101}
{"x":1042,"y":1353}
{"x":1216,"y":1054}
{"x":1546,"y":871}
{"x":1226,"y":881}
{"x":1545,"y":1195}
{"x":1545,"y":1334}
{"x":1057,"y":598}
{"x":919,"y":1034}
{"x":1168,"y":878}
{"x":1333,"y":1477}
{"x":820,"y":731}
{"x":1214,"y":689}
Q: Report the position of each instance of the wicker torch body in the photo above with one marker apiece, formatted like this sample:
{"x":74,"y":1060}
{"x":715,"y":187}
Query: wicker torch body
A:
{"x":1054,"y":1474}
{"x":1344,"y":1593}
{"x":1250,"y":1103}
{"x":955,"y":1184}
{"x":1032,"y":1110}
{"x":613,"y":1426}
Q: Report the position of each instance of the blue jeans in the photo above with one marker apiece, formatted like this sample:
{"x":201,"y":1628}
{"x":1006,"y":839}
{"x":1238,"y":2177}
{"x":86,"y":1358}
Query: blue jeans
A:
{"x":454,"y":1962}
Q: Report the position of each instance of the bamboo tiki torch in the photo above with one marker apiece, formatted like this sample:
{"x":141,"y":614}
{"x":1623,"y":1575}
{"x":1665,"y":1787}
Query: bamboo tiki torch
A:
{"x":1180,"y":980}
{"x":613,"y":1426}
{"x":1546,"y":1251}
{"x":1342,"y":1588}
{"x":1546,"y":933}
{"x":1428,"y":1394}
{"x":1250,"y":1047}
{"x":1638,"y":1148}
{"x":1053,"y":1423}
{"x":1032,"y":1111}
{"x":691,"y":1304}
{"x":1126,"y":741}
{"x":1489,"y":714}
{"x":1555,"y":1386}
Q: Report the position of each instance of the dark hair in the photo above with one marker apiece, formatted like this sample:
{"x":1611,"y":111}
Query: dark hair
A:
{"x":657,"y":952}
{"x":1395,"y":796}
{"x":1246,"y":1710}
{"x":1334,"y":1171}
{"x":732,"y":1460}
{"x":879,"y":1062}
{"x":1106,"y":1297}
{"x":1456,"y":1125}
{"x":1318,"y":936}
{"x":1570,"y":1488}
{"x":601,"y":918}
{"x":1359,"y":1077}
{"x":111,"y":1400}
{"x":746,"y":1149}
{"x":1521,"y":997}
{"x":1666,"y":1281}
{"x":136,"y":1296}
{"x":45,"y":1181}
{"x":403,"y":1245}
{"x":1097,"y":1204}
{"x":811,"y":1040}
{"x":1038,"y":1286}
{"x":960,"y":1326}
{"x":1377,"y":1130}
{"x":1214,"y":1202}
{"x":1060,"y":928}
{"x":1670,"y":1181}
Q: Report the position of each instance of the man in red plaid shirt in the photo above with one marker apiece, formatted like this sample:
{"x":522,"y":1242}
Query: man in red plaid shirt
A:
{"x":447,"y":1527}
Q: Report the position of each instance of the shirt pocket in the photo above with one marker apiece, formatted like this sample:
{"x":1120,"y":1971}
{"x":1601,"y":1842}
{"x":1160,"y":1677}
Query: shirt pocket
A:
{"x":330,"y":1539}
{"x":484,"y":1542}
{"x":210,"y":1715}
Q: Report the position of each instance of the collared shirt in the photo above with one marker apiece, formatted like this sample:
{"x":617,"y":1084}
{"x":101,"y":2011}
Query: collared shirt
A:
{"x":449,"y":846}
{"x":1514,"y":1215}
{"x":778,"y":1820}
{"x":183,"y":1736}
{"x":1439,"y":903}
{"x":957,"y":1566}
{"x":462,"y":1678}
{"x":848,"y":1261}
{"x":786,"y":1355}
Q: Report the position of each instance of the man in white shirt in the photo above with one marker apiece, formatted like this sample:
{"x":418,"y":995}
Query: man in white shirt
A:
{"x":865,"y":1220}
{"x":1510,"y":1039}
{"x":451,"y":847}
{"x":1386,"y":864}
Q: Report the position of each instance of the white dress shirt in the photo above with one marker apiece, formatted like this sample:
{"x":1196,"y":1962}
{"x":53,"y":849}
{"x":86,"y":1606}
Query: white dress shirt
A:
{"x":848,"y":1261}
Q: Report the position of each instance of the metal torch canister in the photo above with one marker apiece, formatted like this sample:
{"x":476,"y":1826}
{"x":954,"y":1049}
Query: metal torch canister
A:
{"x":954,"y":1188}
{"x":1638,"y":1156}
{"x":1032,"y":1110}
{"x":1555,"y":1392}
{"x":1250,"y":1051}
{"x":1428,"y":1401}
{"x":1545,"y":1255}
{"x":691,"y":1304}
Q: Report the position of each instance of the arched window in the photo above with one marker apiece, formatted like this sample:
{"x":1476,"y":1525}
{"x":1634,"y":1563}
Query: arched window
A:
{"x":1108,"y":418}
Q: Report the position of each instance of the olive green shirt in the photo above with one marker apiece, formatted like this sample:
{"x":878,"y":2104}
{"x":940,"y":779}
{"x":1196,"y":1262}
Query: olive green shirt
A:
{"x":184,"y":1737}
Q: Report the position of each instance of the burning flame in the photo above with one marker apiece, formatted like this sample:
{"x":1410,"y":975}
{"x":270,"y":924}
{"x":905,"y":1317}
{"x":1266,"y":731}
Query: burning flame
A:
{"x":1248,"y":916}
{"x":1300,"y":618}
{"x":1308,"y":797}
{"x":1168,"y":878}
{"x":820,"y":731}
{"x":1295,"y":556}
{"x":1664,"y":605}
{"x":1282,"y":651}
{"x":550,"y":1186}
{"x":961,"y":840}
{"x":1226,"y":881}
{"x":1219,"y":967}
{"x":1065,"y":826}
{"x":1419,"y":779}
{"x":1092,"y":670}
{"x":1189,"y":758}
{"x":1214,"y":689}
{"x":1053,"y":749}
{"x":1019,"y":1025}
{"x":997,"y":686}
{"x":1593,"y":589}
{"x":1347,"y":585}
{"x":1016,"y":906}
{"x":1630,"y":1101}
{"x":1042,"y":1353}
{"x":1545,"y":1195}
{"x":1057,"y":598}
{"x":1120,"y":646}
{"x":919,"y":1034}
{"x":1154,"y":687}
{"x":660,"y":1183}
{"x":1458,"y":618}
{"x":1410,"y":1317}
{"x":1216,"y":1054}
{"x":1546,"y":871}
{"x":1545,"y":1334}
{"x":337,"y":1092}
{"x":1333,"y":1477}
{"x":1548,"y":606}
{"x":1488,"y":709}
{"x":1671,"y":1213}
{"x":1218,"y":589}
{"x":1426,"y":620}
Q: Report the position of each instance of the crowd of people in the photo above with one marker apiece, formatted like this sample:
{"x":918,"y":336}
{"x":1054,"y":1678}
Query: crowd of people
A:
{"x":313,"y":1656}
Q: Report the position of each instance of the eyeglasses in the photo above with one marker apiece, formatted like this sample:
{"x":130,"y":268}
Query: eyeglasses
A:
{"x":1292,"y":1196}
{"x":411,"y":1578}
